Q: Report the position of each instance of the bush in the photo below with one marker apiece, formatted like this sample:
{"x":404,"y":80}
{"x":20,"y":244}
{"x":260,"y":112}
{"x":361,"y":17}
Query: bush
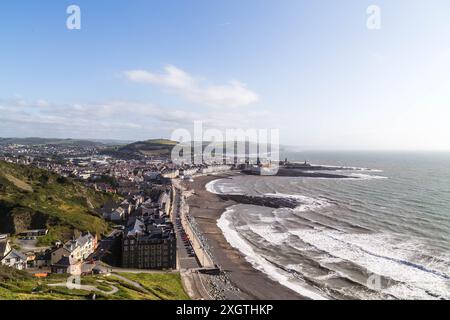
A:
{"x":7,"y":273}
{"x":62,"y":180}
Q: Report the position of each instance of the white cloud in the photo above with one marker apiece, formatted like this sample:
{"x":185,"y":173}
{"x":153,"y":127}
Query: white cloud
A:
{"x":42,"y":103}
{"x":233,"y":94}
{"x":118,"y":119}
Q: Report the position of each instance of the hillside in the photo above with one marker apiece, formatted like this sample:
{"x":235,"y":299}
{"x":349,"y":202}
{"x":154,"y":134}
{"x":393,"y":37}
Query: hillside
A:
{"x":7,"y":273}
{"x":31,"y":198}
{"x":19,"y":285}
{"x":46,"y":141}
{"x":150,"y":148}
{"x":163,"y":148}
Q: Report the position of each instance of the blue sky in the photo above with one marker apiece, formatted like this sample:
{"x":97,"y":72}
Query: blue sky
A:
{"x":140,"y":69}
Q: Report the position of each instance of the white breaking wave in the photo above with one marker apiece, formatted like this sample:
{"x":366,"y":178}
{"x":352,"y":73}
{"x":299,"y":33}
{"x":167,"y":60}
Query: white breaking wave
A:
{"x":363,"y":169}
{"x":378,"y":255}
{"x":405,"y":262}
{"x":225,"y":186}
{"x":344,"y":168}
{"x":363,"y":176}
{"x":307,"y":203}
{"x":258,"y":262}
{"x":268,"y":233}
{"x":222,"y":186}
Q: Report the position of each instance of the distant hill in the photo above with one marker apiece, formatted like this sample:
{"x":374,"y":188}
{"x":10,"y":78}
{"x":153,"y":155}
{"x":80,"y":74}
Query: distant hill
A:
{"x":151,"y":148}
{"x":163,"y":148}
{"x":44,"y":141}
{"x":32,"y":198}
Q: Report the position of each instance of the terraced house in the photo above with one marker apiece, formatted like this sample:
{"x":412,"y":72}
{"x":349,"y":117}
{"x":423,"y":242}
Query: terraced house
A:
{"x":72,"y":253}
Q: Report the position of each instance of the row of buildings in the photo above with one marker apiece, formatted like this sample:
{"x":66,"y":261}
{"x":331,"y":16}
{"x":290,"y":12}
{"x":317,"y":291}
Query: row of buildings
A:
{"x":149,"y":242}
{"x":149,"y":239}
{"x":125,"y":209}
{"x":69,"y":257}
{"x":192,"y":170}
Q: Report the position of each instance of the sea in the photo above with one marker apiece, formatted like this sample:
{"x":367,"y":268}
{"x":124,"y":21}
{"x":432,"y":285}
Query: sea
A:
{"x":381,"y":233}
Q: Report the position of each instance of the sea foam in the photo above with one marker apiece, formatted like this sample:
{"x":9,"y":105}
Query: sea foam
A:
{"x":260,"y":263}
{"x":306,"y":203}
{"x":222,"y":186}
{"x":381,"y":255}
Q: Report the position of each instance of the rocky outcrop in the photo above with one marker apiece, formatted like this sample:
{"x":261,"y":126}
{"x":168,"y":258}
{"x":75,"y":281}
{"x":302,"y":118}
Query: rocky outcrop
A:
{"x":265,"y":201}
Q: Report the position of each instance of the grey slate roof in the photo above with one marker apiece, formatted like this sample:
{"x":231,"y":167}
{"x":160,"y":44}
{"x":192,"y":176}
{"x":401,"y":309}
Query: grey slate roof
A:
{"x":16,"y":254}
{"x":65,"y":262}
{"x":79,"y":242}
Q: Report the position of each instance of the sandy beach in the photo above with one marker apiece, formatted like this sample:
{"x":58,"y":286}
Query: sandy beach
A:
{"x":207,"y":208}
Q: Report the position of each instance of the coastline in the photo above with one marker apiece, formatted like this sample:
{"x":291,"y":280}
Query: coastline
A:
{"x":207,"y":208}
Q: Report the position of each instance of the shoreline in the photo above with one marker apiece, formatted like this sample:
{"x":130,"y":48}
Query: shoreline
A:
{"x":207,"y":208}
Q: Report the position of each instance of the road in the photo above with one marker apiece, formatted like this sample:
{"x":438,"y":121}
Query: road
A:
{"x":86,"y":287}
{"x":192,"y":280}
{"x":130,"y":282}
{"x":30,"y":245}
{"x":185,"y":261}
{"x":125,"y":270}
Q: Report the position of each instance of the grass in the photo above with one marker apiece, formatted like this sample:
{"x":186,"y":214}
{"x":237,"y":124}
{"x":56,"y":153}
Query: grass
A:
{"x":12,"y":274}
{"x":165,"y":286}
{"x":55,"y":233}
{"x":21,"y":286}
{"x":31,"y":198}
{"x":155,"y":147}
{"x":19,"y":183}
{"x":162,"y":142}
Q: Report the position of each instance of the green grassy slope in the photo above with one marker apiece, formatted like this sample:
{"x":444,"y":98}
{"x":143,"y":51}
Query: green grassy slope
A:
{"x":155,"y":147}
{"x":155,"y":287}
{"x":7,"y":273}
{"x":34,"y":198}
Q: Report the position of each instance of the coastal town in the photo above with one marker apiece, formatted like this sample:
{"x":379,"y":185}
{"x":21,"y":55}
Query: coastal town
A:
{"x":151,"y":228}
{"x":214,"y":159}
{"x":157,"y":214}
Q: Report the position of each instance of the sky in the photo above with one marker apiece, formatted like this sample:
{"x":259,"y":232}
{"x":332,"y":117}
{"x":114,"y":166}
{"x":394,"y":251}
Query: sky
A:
{"x":312,"y":69}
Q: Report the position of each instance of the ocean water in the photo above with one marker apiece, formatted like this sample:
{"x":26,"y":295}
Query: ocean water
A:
{"x":385,"y":235}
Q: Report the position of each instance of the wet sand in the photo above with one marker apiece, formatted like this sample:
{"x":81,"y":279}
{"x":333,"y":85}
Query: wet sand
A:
{"x":207,"y":208}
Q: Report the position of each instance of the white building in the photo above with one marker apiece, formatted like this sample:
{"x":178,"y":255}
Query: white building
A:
{"x":78,"y":249}
{"x":215,"y":168}
{"x":15,"y":259}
